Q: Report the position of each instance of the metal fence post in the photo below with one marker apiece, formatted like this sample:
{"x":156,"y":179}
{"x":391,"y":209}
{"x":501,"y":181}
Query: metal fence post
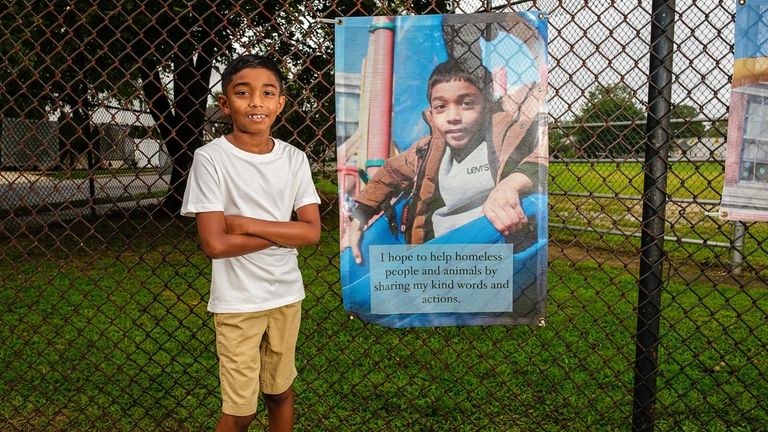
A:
{"x":91,"y":175}
{"x":737,"y":256}
{"x":654,"y":205}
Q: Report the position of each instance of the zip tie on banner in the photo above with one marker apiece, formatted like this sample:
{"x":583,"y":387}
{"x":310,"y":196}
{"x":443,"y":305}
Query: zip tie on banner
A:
{"x":330,"y":21}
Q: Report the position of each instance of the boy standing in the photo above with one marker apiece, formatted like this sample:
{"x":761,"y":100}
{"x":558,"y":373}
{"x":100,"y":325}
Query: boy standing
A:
{"x":475,"y":162}
{"x":243,"y":188}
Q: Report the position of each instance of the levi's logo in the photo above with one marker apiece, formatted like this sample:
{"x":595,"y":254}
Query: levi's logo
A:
{"x":478,"y":169}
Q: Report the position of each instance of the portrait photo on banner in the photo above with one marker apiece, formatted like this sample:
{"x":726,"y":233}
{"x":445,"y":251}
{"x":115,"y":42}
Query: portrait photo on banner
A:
{"x":745,"y":184}
{"x":442,"y":153}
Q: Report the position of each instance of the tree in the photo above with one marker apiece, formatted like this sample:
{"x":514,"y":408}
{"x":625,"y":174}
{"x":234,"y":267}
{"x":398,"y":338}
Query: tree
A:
{"x":560,"y":144}
{"x":53,"y":61}
{"x":717,"y":129}
{"x":75,"y":54}
{"x":292,"y":33}
{"x":686,"y":128}
{"x":596,"y":134}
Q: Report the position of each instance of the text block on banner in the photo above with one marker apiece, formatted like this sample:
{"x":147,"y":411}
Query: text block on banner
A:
{"x":441,"y":278}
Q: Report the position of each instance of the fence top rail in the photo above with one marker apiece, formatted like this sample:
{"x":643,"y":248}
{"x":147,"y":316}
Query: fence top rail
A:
{"x":563,"y":125}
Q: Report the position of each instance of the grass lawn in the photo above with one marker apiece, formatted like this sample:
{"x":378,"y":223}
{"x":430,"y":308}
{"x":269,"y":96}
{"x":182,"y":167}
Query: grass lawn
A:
{"x":79,"y":174}
{"x":703,"y":180}
{"x":685,"y":219}
{"x":107,"y":330}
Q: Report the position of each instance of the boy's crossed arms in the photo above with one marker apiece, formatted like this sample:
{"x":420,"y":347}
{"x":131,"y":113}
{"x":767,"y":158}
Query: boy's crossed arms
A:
{"x":225,"y":236}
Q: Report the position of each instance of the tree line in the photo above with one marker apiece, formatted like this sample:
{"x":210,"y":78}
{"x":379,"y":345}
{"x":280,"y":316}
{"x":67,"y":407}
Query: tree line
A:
{"x":611,"y":125}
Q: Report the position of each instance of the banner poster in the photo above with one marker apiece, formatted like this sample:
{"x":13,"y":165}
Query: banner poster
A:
{"x":442,"y":165}
{"x":745,"y":186}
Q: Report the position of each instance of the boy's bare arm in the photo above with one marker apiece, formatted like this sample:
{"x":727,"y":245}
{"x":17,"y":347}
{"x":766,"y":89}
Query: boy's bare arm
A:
{"x":303,"y":232}
{"x":218,"y":243}
{"x":502,"y":207}
{"x":355,"y":233}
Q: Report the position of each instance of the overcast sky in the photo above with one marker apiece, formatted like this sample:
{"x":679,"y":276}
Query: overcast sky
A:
{"x":607,"y":41}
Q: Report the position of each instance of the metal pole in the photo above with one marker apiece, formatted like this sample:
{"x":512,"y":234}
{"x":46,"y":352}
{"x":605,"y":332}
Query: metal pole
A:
{"x":737,"y":256}
{"x":91,"y":184}
{"x":654,"y":205}
{"x":91,"y":165}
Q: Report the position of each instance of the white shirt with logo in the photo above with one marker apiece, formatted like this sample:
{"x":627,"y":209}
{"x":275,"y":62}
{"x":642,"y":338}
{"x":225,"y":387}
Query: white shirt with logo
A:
{"x":464,"y":187}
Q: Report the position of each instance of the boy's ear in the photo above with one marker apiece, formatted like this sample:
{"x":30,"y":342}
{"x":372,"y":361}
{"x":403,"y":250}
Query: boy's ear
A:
{"x":223,"y":104}
{"x":427,"y":116}
{"x":281,"y":103}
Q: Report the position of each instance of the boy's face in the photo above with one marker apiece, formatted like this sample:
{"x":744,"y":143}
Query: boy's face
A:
{"x":253,"y":101}
{"x":458,"y":111}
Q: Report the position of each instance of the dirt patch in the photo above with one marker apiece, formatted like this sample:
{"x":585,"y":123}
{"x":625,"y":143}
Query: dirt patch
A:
{"x":685,"y":271}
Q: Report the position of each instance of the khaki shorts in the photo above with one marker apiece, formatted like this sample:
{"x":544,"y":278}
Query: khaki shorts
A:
{"x":256,"y":349}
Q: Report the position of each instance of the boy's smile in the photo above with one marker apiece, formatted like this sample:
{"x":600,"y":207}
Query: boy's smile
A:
{"x":458,"y":110}
{"x":253,"y":100}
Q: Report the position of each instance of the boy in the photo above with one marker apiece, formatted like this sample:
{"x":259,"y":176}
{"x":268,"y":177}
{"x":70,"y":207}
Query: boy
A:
{"x":475,"y":162}
{"x":242,"y":189}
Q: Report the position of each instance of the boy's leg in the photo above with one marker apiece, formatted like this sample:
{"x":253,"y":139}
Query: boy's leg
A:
{"x":238,"y":338}
{"x":280,"y":410}
{"x":278,"y":358}
{"x":231,"y":423}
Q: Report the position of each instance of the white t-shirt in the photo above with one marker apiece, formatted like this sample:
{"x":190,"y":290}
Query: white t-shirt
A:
{"x":269,"y":186}
{"x":464,"y":187}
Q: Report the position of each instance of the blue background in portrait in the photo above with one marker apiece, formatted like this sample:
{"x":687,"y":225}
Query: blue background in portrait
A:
{"x":419,"y":47}
{"x":751,"y":39}
{"x":349,"y":56}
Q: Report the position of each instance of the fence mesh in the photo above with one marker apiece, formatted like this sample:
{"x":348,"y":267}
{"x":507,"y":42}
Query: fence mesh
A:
{"x":102,"y":301}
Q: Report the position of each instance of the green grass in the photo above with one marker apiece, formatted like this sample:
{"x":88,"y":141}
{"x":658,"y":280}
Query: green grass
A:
{"x":107,"y":330}
{"x":103,"y":327}
{"x":684,"y":220}
{"x":326,"y":186}
{"x":686,"y":180}
{"x":702,"y":180}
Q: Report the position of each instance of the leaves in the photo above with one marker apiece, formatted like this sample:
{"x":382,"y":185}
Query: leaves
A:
{"x":598,"y":136}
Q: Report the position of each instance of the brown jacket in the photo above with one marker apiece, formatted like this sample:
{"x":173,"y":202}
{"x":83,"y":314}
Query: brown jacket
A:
{"x":516,"y":148}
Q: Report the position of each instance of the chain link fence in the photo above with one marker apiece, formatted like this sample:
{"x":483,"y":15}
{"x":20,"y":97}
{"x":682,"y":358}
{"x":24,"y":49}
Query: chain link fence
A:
{"x":102,"y":297}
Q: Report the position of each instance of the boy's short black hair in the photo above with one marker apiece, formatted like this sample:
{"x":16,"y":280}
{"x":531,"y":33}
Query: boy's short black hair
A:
{"x":453,"y":70}
{"x":250,"y":61}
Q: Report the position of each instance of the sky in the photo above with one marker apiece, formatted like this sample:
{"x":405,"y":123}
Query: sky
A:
{"x":603,"y":41}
